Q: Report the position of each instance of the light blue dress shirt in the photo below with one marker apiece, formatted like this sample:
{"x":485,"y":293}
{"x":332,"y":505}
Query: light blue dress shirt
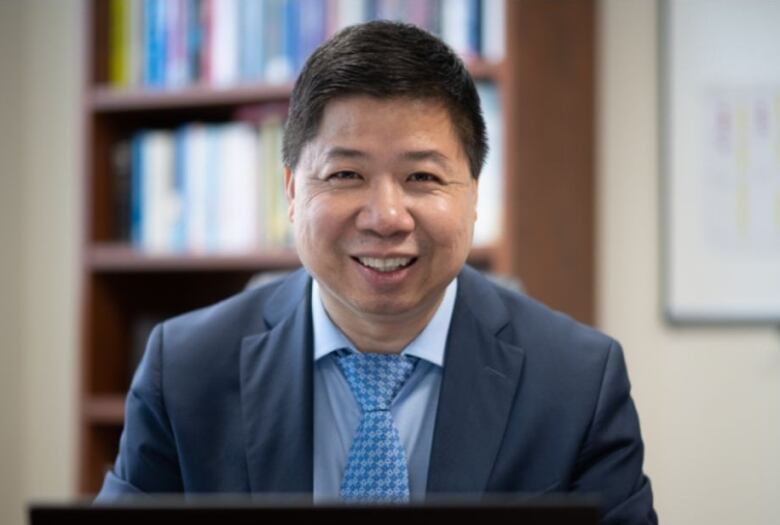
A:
{"x":337,"y":415}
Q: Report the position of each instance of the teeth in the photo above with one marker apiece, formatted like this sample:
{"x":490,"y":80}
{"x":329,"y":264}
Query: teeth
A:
{"x":385,"y":265}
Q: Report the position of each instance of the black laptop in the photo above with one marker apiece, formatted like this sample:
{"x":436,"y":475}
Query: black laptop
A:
{"x":543,"y":510}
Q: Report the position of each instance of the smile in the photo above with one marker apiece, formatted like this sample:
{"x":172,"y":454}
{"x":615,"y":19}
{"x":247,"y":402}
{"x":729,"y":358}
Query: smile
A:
{"x":386,"y":265}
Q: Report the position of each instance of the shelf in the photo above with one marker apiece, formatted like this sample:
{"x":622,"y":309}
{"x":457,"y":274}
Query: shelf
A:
{"x":104,"y":99}
{"x":482,"y":69}
{"x":105,"y":409}
{"x":122,"y":258}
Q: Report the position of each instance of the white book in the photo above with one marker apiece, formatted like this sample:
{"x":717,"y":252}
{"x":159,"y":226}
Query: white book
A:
{"x":493,"y":29}
{"x":351,"y":12}
{"x":490,"y":204}
{"x":237,"y":191}
{"x":277,"y":223}
{"x":160,"y":203}
{"x":195,"y":196}
{"x":224,"y":49}
{"x":454,"y":27}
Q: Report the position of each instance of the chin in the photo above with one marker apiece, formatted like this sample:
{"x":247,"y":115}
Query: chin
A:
{"x":384,"y":306}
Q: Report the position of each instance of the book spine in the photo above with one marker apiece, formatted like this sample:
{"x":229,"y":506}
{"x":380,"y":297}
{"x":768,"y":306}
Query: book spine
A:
{"x":122,"y":190}
{"x":176,"y":74}
{"x":195,"y":195}
{"x":154,"y":21}
{"x":473,"y":28}
{"x":313,"y":20}
{"x":454,"y":25}
{"x":136,"y":189}
{"x":224,"y":42}
{"x":351,"y":12}
{"x":119,"y":34}
{"x":207,"y":41}
{"x":194,"y":40}
{"x":493,"y":29}
{"x":136,"y":57}
{"x":292,"y":37}
{"x":179,"y":205}
{"x":273,"y":44}
{"x":211,"y":204}
{"x":487,"y":229}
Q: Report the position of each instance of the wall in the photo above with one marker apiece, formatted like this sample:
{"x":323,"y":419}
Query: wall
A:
{"x":50,"y":245}
{"x":39,"y":94}
{"x":10,"y":262}
{"x":709,"y":398}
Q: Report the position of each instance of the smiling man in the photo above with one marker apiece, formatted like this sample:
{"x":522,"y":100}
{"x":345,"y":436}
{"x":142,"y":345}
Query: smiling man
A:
{"x":385,"y":369}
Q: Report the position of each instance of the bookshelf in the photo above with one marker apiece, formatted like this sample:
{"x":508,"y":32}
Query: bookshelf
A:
{"x":546,"y":239}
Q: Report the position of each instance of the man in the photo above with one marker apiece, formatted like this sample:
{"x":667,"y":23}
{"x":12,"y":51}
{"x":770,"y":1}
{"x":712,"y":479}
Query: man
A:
{"x":386,"y":369}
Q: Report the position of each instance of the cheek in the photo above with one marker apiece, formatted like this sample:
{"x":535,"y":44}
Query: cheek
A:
{"x":447,"y":221}
{"x":320,"y":220}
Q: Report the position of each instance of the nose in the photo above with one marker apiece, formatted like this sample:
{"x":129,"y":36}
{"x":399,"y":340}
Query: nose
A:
{"x":385,"y":211}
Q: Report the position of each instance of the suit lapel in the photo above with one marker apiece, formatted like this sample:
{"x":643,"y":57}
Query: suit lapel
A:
{"x":480,"y":379}
{"x":276,"y":393}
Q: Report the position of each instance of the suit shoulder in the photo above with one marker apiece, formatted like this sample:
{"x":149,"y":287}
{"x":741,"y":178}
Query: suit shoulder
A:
{"x":225,"y":323}
{"x":542,"y":332}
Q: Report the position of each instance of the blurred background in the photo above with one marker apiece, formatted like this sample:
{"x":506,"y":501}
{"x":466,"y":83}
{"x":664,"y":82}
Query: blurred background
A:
{"x":578,"y":202}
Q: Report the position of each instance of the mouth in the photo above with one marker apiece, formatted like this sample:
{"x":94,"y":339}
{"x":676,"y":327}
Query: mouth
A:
{"x":385,"y":264}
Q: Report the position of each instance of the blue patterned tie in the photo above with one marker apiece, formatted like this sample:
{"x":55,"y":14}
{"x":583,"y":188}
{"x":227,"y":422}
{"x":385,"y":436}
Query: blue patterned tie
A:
{"x":376,"y":468}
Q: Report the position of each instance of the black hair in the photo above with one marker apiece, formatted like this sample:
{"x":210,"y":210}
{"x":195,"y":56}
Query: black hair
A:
{"x":386,"y":60}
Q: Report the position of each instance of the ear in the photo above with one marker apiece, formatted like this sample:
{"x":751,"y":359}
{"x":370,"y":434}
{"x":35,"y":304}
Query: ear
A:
{"x":289,"y":191}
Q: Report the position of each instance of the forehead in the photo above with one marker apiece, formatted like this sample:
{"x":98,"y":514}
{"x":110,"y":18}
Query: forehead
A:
{"x":366,"y":118}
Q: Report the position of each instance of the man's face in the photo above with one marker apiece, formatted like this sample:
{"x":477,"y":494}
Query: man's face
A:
{"x":383,"y":205}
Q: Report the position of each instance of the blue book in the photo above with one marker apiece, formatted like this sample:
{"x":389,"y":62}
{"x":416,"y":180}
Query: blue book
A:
{"x":194,"y":39}
{"x":372,"y":9}
{"x":474,"y":29}
{"x":292,"y":36}
{"x":179,"y":223}
{"x":251,"y":29}
{"x":154,"y":33}
{"x":213,"y":163}
{"x":136,"y":189}
{"x":273,"y":41}
{"x":312,"y":21}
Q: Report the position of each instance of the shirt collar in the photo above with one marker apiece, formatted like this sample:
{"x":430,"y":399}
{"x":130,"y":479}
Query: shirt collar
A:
{"x":429,"y":344}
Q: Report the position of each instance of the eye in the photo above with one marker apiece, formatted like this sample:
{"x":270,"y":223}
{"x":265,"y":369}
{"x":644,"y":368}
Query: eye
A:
{"x":422,"y":176}
{"x":344,"y":175}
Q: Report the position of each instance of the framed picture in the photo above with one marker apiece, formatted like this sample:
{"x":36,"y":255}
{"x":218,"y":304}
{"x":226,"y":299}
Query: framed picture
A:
{"x":720,"y":140}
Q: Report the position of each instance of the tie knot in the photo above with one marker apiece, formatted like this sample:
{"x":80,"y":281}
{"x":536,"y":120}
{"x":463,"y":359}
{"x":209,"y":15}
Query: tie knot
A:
{"x":375,"y":379}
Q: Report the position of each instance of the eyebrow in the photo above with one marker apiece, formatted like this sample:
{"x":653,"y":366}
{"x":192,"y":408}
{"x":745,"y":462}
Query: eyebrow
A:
{"x":338,"y":152}
{"x":429,"y":154}
{"x":420,"y":155}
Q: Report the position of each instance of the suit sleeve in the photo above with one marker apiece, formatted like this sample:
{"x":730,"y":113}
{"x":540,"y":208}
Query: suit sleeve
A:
{"x":611,"y":459}
{"x":147,"y":460}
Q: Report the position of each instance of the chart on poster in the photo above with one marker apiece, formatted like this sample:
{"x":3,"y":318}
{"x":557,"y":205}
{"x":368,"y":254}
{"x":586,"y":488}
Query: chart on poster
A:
{"x":721,"y":158}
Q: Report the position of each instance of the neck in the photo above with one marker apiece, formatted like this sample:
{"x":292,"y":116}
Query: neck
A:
{"x":382,"y":334}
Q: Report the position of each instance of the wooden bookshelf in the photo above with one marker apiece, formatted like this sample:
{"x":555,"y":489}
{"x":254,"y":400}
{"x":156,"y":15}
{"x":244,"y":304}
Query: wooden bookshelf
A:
{"x":546,"y":89}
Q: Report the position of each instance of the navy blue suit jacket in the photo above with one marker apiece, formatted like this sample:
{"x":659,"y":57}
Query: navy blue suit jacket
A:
{"x":531,"y":401}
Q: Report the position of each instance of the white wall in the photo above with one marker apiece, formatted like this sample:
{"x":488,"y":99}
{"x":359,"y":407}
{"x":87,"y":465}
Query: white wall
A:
{"x":51,"y":187}
{"x":39,"y":187}
{"x":10,"y":263}
{"x":709,"y":398}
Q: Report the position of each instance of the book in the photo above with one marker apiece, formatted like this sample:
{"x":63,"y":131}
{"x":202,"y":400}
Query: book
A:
{"x":224,"y":43}
{"x":490,"y":209}
{"x":493,"y":32}
{"x":119,"y":43}
{"x":121,"y":160}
